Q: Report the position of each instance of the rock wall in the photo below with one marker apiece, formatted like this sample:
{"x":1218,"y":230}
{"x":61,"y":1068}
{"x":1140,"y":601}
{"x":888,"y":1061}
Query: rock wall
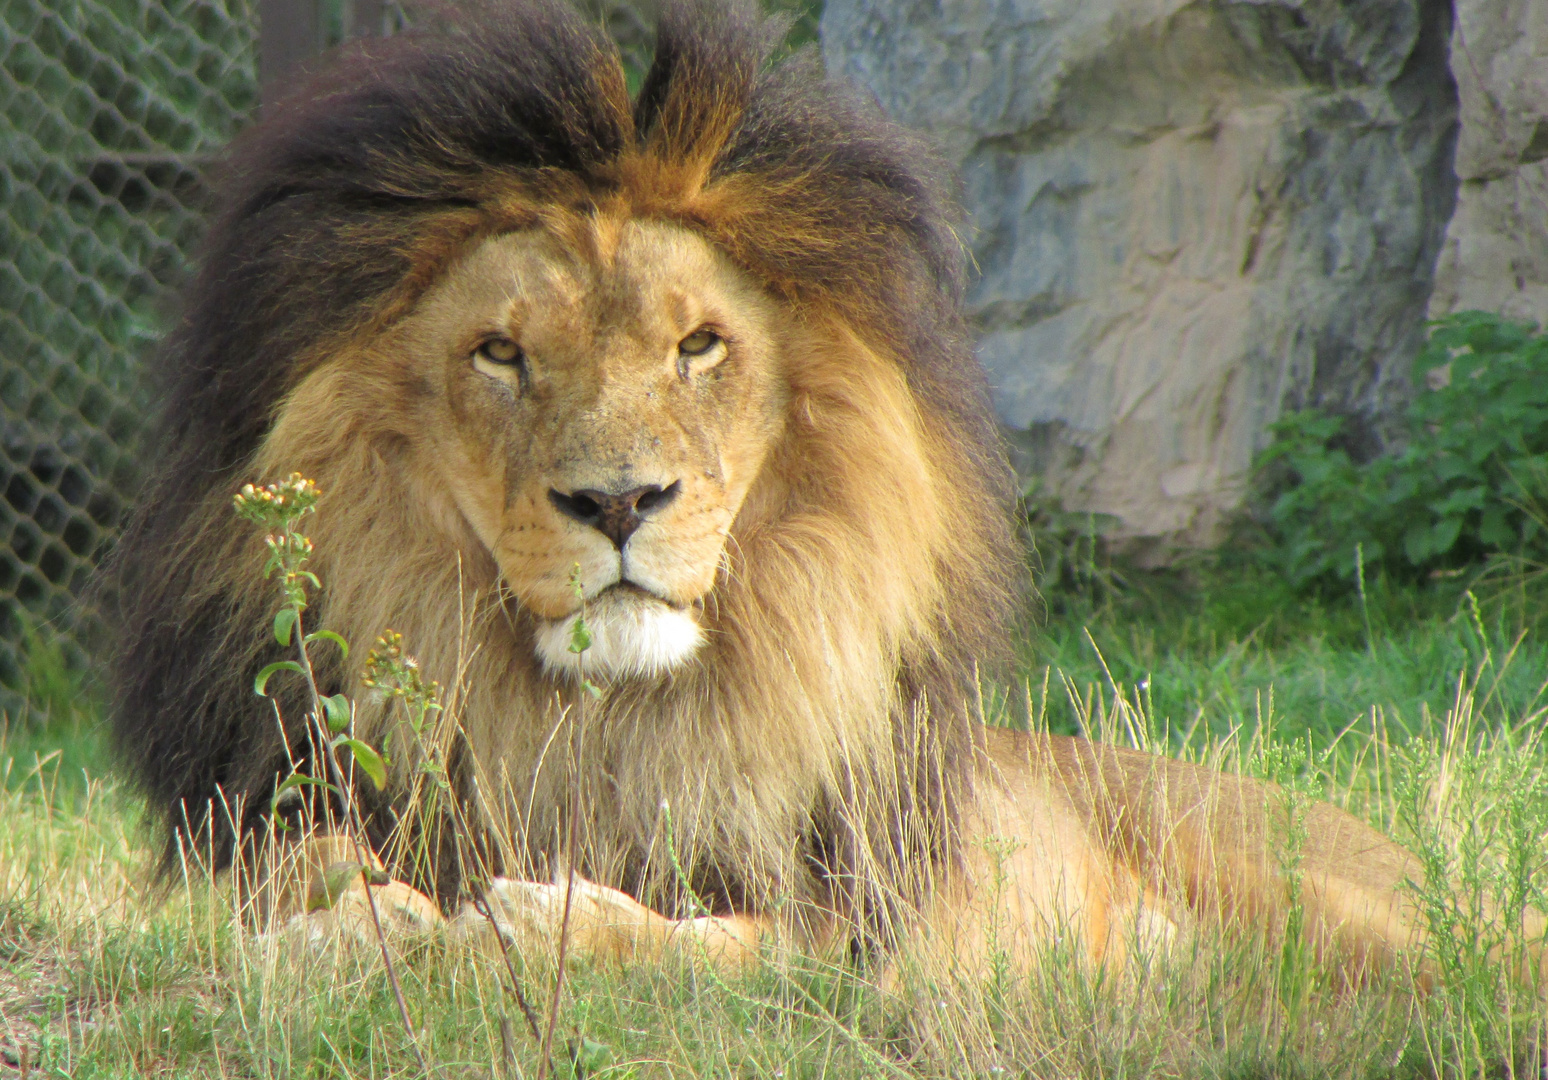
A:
{"x":1188,"y":216}
{"x":1496,"y":252}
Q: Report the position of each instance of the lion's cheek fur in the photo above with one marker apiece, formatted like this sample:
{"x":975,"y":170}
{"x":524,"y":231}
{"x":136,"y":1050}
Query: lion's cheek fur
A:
{"x":869,"y":503}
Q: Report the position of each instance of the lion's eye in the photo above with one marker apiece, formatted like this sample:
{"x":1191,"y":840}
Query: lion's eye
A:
{"x":501,"y":351}
{"x":698,"y":343}
{"x":699,"y":351}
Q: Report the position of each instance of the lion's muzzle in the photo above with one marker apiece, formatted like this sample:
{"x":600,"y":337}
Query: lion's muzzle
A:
{"x":633,"y":630}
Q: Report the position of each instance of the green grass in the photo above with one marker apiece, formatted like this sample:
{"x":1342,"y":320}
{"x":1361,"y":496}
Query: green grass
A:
{"x":1225,"y":650}
{"x":102,"y":976}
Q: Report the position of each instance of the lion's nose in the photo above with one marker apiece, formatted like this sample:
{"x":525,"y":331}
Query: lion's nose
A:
{"x":615,"y":516}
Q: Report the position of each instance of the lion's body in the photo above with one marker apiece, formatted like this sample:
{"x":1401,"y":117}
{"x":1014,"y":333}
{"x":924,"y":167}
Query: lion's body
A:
{"x":691,"y":367}
{"x":1112,"y":847}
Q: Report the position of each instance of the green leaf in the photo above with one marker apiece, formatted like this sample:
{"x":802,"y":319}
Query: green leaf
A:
{"x":1445,"y":535}
{"x":336,"y":879}
{"x":587,"y":1056}
{"x":368,"y":759}
{"x":1494,"y":528}
{"x":580,"y":636}
{"x":329,"y":635}
{"x":269,"y":669}
{"x":1418,"y":545}
{"x":336,"y":709}
{"x":284,"y":622}
{"x":293,"y":781}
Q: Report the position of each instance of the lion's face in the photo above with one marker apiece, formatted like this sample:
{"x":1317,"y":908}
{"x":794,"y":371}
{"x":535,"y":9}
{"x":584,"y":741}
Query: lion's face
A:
{"x":600,"y":402}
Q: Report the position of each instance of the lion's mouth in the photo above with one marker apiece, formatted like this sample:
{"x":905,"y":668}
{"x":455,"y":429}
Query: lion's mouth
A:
{"x":632,"y":634}
{"x":640,"y":593}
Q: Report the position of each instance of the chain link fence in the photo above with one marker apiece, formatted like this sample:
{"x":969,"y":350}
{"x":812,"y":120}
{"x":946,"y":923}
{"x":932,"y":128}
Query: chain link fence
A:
{"x":109,"y":112}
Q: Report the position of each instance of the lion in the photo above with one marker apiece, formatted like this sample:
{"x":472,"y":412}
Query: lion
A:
{"x":690,"y":365}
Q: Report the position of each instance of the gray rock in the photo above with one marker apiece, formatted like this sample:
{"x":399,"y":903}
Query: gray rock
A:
{"x":1496,"y":253}
{"x":1188,"y":217}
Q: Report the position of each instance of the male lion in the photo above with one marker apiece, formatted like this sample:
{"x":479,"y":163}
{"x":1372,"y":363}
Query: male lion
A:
{"x":701,"y":351}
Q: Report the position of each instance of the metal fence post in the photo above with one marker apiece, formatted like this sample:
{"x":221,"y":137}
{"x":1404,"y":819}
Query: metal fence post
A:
{"x":289,"y":34}
{"x":370,"y":18}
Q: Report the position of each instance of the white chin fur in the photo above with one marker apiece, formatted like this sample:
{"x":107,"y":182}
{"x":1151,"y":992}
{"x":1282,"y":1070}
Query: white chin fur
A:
{"x":631,"y":636}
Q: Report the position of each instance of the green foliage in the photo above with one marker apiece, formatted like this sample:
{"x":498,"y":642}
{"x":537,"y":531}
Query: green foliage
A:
{"x":58,"y":718}
{"x":21,"y":924}
{"x":1483,"y":872}
{"x":580,"y":633}
{"x":1072,"y":562}
{"x":52,"y":687}
{"x":1468,"y":484}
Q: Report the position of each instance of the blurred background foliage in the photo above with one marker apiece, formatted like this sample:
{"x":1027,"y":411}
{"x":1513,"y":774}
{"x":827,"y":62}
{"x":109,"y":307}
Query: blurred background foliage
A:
{"x":1466,"y":488}
{"x":1457,"y":504}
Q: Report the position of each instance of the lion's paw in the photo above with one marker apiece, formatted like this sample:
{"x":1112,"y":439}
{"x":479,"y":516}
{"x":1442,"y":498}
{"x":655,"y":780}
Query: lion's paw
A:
{"x":340,"y":908}
{"x":603,"y":921}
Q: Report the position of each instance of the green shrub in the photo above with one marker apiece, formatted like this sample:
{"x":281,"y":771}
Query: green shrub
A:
{"x":1468,"y":484}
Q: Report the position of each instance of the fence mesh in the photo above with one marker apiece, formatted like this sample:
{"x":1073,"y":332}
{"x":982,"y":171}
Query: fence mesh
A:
{"x":109,"y":111}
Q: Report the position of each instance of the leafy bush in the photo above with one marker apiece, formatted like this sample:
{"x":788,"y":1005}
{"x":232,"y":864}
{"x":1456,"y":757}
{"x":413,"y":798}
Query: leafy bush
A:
{"x":1469,"y":483}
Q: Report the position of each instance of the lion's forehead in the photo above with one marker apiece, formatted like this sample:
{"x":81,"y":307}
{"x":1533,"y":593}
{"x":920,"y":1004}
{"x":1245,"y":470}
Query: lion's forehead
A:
{"x":649,"y":278}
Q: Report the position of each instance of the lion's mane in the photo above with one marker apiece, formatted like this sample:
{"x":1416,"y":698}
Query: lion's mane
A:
{"x":828,"y":727}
